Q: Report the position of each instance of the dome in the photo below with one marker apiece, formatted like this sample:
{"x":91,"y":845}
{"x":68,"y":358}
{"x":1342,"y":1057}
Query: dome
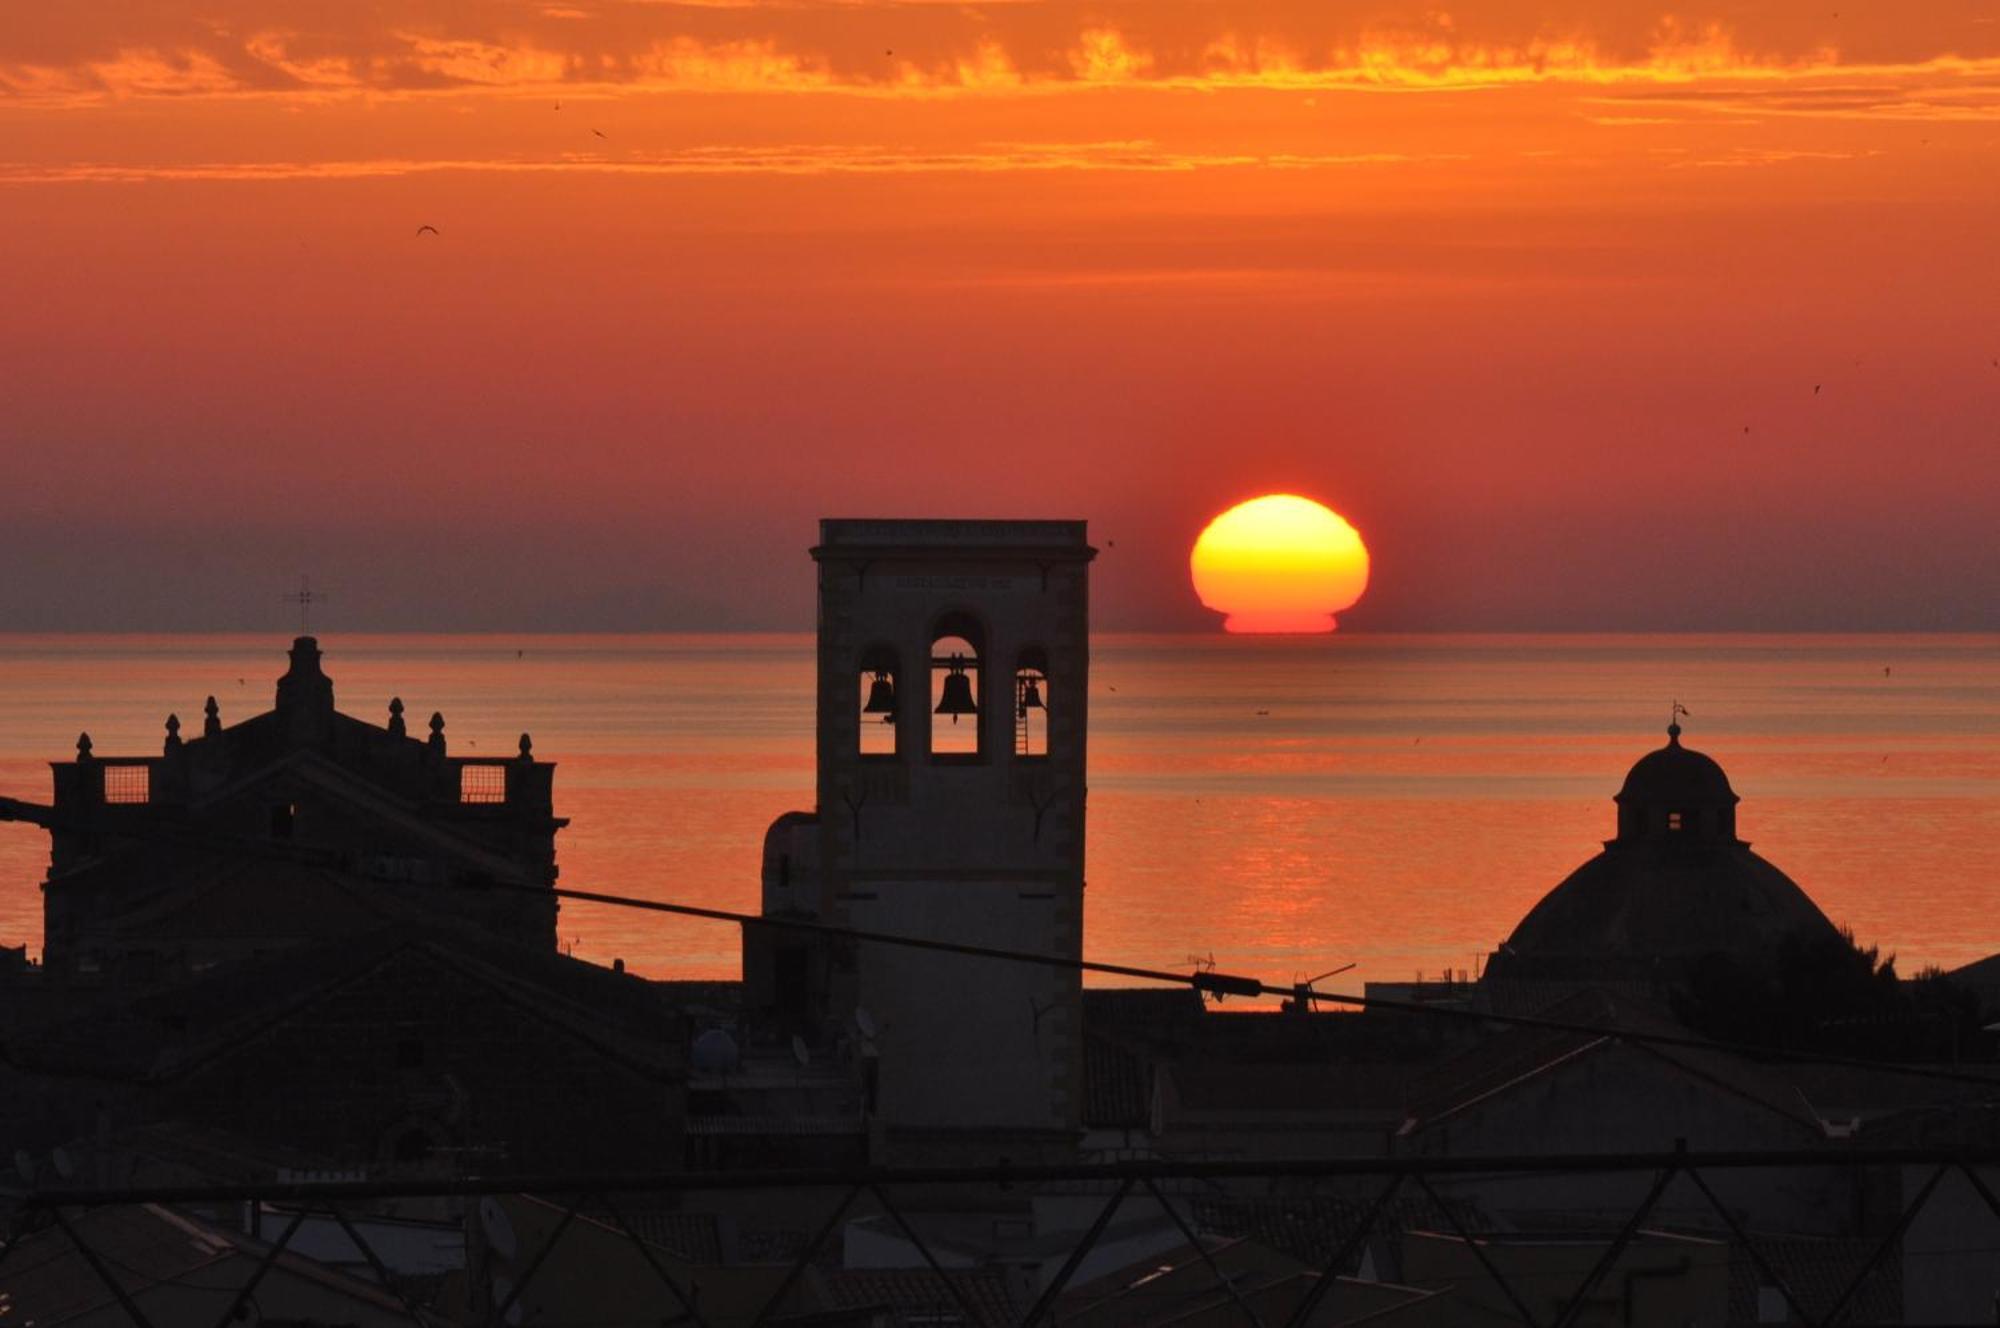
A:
{"x":1676,"y":796}
{"x":1644,"y":915}
{"x":1675,"y":886}
{"x":1677,"y":776}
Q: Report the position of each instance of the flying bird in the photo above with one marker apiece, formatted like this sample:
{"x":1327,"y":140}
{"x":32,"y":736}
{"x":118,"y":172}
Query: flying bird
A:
{"x":599,"y":132}
{"x":1815,"y":389}
{"x":432,"y":229}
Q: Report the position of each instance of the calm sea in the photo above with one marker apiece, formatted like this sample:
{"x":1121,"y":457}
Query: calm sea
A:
{"x":1286,"y":805}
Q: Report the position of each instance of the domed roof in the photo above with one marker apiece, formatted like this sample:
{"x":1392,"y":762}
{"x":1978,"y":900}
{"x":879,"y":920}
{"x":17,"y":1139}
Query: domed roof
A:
{"x":1674,"y":887}
{"x":1637,"y":914}
{"x":1676,"y":776}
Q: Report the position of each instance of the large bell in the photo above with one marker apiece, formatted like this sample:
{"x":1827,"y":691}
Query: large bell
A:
{"x":957,"y":699}
{"x":881,"y":697}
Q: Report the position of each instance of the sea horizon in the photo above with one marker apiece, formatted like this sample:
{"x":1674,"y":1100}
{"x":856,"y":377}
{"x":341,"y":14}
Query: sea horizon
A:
{"x":1403,"y":802}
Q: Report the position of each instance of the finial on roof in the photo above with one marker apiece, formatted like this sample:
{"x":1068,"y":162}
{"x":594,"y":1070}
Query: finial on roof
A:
{"x":437,"y":732}
{"x":396,"y":726}
{"x":305,"y":597}
{"x":305,"y":689}
{"x":1674,"y":725}
{"x":211,"y":723}
{"x":83,"y":746}
{"x":527,"y":748}
{"x":173,"y":732}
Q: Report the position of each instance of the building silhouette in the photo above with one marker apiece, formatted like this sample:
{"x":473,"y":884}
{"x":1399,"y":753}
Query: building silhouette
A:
{"x":1673,"y":889}
{"x":288,"y":827}
{"x":273,"y":962}
{"x":953,"y":665}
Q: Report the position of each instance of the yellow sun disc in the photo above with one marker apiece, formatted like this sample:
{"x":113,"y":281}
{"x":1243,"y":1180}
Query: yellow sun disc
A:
{"x":1280,"y":563}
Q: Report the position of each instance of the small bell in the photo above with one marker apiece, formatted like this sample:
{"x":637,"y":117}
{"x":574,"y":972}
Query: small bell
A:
{"x":881,"y":697}
{"x":1031,"y":697}
{"x":957,"y":698}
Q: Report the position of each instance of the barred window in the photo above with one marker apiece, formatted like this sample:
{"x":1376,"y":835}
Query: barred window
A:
{"x":128,"y":783}
{"x":482,"y":783}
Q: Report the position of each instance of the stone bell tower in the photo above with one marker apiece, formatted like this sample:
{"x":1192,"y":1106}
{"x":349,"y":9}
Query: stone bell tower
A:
{"x":952,"y":694}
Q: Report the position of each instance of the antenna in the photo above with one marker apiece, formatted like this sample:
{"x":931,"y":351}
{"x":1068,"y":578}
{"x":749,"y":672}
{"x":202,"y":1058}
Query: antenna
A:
{"x":1304,"y":999}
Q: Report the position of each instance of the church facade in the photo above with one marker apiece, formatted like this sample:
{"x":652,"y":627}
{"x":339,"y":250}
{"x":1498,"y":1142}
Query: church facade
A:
{"x":291,"y":826}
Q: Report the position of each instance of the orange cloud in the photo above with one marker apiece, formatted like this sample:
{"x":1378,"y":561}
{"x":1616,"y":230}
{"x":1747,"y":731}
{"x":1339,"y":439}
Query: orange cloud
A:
{"x":729,"y":159}
{"x":945,"y":50}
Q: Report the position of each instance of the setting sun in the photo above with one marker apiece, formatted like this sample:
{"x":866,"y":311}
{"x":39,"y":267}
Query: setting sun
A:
{"x":1280,"y":563}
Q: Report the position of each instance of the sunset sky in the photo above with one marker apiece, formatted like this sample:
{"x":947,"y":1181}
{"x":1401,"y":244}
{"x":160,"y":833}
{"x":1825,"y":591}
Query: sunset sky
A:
{"x":1537,"y":294}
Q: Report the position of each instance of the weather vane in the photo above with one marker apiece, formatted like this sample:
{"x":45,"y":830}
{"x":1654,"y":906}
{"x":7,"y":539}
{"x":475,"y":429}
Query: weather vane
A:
{"x":1679,"y":712}
{"x":305,"y":597}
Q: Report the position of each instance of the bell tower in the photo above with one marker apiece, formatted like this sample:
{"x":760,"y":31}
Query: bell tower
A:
{"x":953,"y":666}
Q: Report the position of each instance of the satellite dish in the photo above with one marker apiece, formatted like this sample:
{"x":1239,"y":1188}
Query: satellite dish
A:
{"x":65,"y":1166}
{"x":866,"y":1023}
{"x":715,"y":1052}
{"x":24,"y":1162}
{"x":499,"y":1231}
{"x":800,"y":1053}
{"x":503,"y":1288}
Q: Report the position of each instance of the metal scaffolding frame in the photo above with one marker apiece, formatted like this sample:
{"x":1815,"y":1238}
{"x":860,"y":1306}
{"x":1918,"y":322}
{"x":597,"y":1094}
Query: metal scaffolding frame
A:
{"x":55,"y":1209}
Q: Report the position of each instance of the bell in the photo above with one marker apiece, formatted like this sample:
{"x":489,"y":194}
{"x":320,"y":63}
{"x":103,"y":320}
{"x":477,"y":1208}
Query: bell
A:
{"x":1031,"y":696}
{"x":957,"y":699}
{"x":881,"y":696}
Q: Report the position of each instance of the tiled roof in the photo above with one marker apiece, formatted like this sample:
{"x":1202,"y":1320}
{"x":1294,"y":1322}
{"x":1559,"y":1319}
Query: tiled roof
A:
{"x":1508,"y":1057}
{"x":1311,"y":1229}
{"x":1818,"y":1272}
{"x":1213,"y":1285}
{"x":1521,"y":1054}
{"x":146,"y":1246}
{"x":1116,"y":1086}
{"x":919,"y":1293}
{"x":692,"y":1237}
